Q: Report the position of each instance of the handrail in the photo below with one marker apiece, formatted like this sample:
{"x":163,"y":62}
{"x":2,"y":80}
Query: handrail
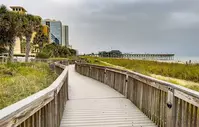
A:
{"x":50,"y":99}
{"x":166,"y":104}
{"x":181,"y":88}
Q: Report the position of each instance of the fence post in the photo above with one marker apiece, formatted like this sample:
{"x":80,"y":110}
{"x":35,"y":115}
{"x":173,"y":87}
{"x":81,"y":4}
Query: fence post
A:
{"x":105,"y":76}
{"x":170,"y":110}
{"x":56,"y":107}
{"x":141,"y":85}
{"x":126,"y":86}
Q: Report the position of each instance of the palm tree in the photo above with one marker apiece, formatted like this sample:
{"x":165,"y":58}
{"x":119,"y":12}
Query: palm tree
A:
{"x":40,"y":38}
{"x":3,"y":27}
{"x":31,"y":24}
{"x":10,"y":25}
{"x":3,"y":10}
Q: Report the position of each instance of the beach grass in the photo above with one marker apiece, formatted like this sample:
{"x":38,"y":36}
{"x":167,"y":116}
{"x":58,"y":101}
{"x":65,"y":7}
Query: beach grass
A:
{"x":19,"y":80}
{"x":181,"y":74}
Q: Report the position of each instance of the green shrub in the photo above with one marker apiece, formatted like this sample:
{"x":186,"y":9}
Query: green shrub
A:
{"x":3,"y":50}
{"x":57,"y":58}
{"x":42,"y":55}
{"x":55,"y":50}
{"x":23,"y":55}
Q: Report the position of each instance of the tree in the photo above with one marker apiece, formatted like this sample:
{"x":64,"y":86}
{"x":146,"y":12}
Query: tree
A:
{"x":31,"y":24}
{"x":103,"y":54}
{"x":40,"y":38}
{"x":3,"y":50}
{"x":3,"y":27}
{"x":3,"y":9}
{"x":55,"y":50}
{"x":10,"y":25}
{"x":115,"y":53}
{"x":112,"y":53}
{"x":73,"y":52}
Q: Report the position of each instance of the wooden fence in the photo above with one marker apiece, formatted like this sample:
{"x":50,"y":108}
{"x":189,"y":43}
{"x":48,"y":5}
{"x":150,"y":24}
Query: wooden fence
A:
{"x":166,"y":104}
{"x":43,"y":109}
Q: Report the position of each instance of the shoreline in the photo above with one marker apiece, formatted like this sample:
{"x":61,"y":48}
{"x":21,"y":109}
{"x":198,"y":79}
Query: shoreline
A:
{"x":178,"y":61}
{"x":172,"y":61}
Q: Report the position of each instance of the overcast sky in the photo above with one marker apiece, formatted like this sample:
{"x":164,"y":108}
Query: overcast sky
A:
{"x":136,"y":26}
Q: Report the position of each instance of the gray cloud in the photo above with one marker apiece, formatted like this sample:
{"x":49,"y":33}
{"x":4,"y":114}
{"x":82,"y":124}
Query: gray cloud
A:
{"x":139,"y":26}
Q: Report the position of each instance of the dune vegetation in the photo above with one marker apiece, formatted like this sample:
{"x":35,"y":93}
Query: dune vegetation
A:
{"x":182,"y":74}
{"x":19,"y":80}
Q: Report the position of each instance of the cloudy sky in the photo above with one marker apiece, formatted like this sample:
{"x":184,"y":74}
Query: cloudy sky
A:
{"x":136,"y":26}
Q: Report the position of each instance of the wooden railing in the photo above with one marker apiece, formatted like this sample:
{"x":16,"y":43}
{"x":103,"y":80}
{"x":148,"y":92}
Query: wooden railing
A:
{"x":166,"y":104}
{"x":43,"y":109}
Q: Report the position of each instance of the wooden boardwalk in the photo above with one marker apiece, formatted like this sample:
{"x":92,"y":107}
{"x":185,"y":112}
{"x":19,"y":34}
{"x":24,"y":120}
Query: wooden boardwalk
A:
{"x":94,"y":104}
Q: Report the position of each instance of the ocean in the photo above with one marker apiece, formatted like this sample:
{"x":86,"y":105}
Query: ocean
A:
{"x":194,"y":59}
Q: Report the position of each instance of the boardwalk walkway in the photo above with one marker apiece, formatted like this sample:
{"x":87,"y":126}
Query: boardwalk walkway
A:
{"x":94,"y":104}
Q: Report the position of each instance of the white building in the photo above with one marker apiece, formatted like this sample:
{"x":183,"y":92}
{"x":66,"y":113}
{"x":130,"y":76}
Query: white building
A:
{"x":65,"y":37}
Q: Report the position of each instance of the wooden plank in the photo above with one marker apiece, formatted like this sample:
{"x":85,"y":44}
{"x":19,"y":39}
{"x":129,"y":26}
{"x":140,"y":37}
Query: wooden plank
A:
{"x":158,"y":106}
{"x":42,"y":117}
{"x":190,"y":99}
{"x":177,"y":103}
{"x":141,"y":95}
{"x":161,"y":109}
{"x":197,"y":118}
{"x":149,"y":101}
{"x":170,"y":112}
{"x":125,"y":90}
{"x":104,"y":112}
{"x":33,"y":124}
{"x":191,"y":118}
{"x":39,"y":121}
{"x":187,"y":113}
{"x":116,"y":71}
{"x":183,"y":114}
{"x":150,"y":82}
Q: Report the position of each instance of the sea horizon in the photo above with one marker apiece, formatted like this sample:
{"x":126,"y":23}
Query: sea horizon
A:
{"x":194,"y":59}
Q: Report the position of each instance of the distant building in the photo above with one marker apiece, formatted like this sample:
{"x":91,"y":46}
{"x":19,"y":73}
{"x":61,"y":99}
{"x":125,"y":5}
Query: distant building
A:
{"x":20,"y":45}
{"x":18,"y":9}
{"x":21,"y":10}
{"x":55,"y":30}
{"x":65,"y":37}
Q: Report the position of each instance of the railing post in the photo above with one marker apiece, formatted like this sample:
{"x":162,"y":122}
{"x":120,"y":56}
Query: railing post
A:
{"x":141,"y":95}
{"x":66,"y":88}
{"x":90,"y":71}
{"x":126,"y":86}
{"x":56,"y":107}
{"x":105,"y":75}
{"x":170,"y":110}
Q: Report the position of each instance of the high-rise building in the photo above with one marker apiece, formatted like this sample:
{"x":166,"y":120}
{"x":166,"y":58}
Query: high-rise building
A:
{"x":55,"y":30}
{"x":65,"y":37}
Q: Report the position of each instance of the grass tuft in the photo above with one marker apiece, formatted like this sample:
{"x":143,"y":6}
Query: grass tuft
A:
{"x":19,"y":80}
